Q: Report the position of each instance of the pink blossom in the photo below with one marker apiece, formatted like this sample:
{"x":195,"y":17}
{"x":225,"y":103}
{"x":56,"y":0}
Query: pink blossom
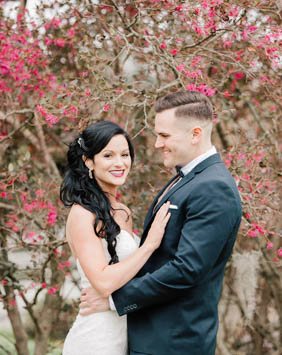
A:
{"x":210,"y":92}
{"x":227,"y":44}
{"x":53,"y":23}
{"x":52,"y":290}
{"x":39,"y":192}
{"x":264,"y":78}
{"x":180,"y":67}
{"x":4,"y":282}
{"x":12,"y":302}
{"x":196,"y":60}
{"x":253,"y":233}
{"x":241,"y":156}
{"x":258,"y":157}
{"x":269,"y":245}
{"x":258,"y":228}
{"x":23,"y":178}
{"x":259,"y":185}
{"x":27,"y":207}
{"x":48,"y":41}
{"x":246,"y":177}
{"x":203,"y":88}
{"x":239,"y":75}
{"x":13,"y":217}
{"x":256,"y":102}
{"x":59,"y":42}
{"x":198,"y":29}
{"x":41,"y":110}
{"x":23,"y":196}
{"x":61,"y":266}
{"x":68,"y":263}
{"x":3,"y":194}
{"x":191,"y":87}
{"x":106,"y":107}
{"x":251,"y":28}
{"x":163,"y":46}
{"x":245,"y":35}
{"x":194,"y":74}
{"x":43,"y":285}
{"x":174,"y":51}
{"x":3,"y":134}
{"x":30,"y":235}
{"x":279,"y":252}
{"x":87,"y":93}
{"x":71,"y":32}
{"x":51,"y":119}
{"x":51,"y":219}
{"x":74,"y":109}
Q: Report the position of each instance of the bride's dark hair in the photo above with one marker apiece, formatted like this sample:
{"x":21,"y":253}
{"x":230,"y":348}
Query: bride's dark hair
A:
{"x":78,"y":187}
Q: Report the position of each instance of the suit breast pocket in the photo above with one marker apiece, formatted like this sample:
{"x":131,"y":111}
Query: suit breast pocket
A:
{"x":172,"y":232}
{"x":175,"y":218}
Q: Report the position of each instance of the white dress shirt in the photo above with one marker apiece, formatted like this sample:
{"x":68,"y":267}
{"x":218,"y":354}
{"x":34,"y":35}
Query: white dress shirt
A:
{"x":190,"y":166}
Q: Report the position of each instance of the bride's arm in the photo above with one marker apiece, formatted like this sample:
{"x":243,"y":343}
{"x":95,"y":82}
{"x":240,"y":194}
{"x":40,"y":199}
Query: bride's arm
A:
{"x":89,"y":250}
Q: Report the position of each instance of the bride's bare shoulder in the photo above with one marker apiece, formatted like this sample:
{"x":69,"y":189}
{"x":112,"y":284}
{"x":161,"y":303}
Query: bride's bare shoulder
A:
{"x":78,"y":213}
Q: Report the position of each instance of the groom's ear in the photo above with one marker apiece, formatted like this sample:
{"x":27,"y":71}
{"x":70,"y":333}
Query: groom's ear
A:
{"x":196,"y":134}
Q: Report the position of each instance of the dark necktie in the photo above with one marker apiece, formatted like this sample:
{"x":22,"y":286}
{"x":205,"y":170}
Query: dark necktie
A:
{"x":177,"y":178}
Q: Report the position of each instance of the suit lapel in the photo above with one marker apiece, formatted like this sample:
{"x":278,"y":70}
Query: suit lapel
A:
{"x":150,"y":212}
{"x":213,"y":159}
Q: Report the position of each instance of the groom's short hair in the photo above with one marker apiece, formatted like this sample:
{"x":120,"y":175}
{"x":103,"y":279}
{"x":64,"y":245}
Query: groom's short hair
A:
{"x":190,"y":104}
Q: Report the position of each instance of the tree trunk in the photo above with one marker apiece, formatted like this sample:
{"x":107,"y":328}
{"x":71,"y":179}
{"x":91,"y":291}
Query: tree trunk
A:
{"x":16,"y":322}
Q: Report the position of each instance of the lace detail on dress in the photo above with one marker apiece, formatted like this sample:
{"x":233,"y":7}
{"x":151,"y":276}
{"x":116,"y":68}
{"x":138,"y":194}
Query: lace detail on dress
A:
{"x":102,"y":333}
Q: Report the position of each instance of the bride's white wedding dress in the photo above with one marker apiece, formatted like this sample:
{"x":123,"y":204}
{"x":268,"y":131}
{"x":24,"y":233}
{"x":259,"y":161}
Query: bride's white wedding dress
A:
{"x":102,"y":333}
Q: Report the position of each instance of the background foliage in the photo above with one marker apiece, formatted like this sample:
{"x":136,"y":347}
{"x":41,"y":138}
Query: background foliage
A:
{"x":110,"y":60}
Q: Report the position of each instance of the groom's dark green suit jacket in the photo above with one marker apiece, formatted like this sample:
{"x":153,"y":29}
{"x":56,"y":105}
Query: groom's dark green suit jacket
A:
{"x":172,"y":302}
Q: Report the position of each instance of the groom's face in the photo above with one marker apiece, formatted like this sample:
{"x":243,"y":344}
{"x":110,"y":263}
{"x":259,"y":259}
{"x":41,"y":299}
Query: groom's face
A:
{"x":174,"y":139}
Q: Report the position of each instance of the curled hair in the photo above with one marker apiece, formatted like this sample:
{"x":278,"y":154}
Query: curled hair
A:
{"x":188,"y":104}
{"x":77,"y":187}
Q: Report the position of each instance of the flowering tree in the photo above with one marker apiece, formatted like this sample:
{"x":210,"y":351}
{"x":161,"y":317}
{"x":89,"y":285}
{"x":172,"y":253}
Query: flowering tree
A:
{"x":110,"y":60}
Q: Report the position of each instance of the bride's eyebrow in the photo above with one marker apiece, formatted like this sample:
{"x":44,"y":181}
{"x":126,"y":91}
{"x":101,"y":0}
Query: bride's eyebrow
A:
{"x":114,"y":151}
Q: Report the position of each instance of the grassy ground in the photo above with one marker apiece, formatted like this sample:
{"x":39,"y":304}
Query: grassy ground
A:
{"x":7,"y":345}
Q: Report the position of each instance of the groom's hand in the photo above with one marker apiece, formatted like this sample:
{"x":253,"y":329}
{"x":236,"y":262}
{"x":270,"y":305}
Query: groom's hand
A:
{"x":92,"y":302}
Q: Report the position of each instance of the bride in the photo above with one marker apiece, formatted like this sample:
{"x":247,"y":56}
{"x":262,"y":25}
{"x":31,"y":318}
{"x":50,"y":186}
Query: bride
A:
{"x":99,"y":232}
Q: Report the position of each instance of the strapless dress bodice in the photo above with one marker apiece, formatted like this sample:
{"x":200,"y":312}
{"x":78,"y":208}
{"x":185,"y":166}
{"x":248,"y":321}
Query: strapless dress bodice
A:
{"x":103,"y":333}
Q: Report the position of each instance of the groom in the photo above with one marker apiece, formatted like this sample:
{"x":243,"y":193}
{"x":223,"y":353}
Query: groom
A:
{"x":172,"y":303}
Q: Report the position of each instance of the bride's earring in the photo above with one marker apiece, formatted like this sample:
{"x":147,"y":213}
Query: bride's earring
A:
{"x":90,"y":174}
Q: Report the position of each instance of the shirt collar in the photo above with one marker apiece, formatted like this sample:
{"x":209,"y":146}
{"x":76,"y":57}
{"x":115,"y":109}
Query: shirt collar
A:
{"x":187,"y":168}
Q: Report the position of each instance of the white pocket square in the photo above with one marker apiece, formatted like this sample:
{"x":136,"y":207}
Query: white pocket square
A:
{"x":173,"y":207}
